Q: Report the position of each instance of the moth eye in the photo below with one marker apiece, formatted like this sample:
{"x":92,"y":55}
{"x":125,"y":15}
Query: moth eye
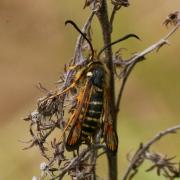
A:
{"x":89,"y":74}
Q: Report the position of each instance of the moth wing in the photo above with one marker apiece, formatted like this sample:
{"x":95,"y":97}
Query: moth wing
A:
{"x":110,"y":134}
{"x":74,"y":136}
{"x":73,"y":139}
{"x":110,"y":138}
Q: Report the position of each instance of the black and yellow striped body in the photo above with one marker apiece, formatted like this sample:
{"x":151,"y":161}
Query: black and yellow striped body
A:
{"x":92,"y":119}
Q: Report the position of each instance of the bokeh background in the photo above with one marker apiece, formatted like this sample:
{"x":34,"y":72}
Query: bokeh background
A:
{"x":34,"y":45}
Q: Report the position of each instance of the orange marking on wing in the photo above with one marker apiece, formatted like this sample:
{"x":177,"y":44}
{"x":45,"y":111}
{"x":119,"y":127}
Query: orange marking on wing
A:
{"x":74,"y":134}
{"x":83,"y":95}
{"x":111,"y":139}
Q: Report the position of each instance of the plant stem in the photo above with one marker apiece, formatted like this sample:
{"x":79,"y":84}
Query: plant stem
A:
{"x":102,"y":15}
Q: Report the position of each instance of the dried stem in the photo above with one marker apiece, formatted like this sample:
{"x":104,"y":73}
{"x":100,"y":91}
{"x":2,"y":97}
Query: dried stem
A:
{"x":130,"y":64}
{"x":73,"y":162}
{"x":102,"y":15}
{"x":115,"y":9}
{"x":146,"y":146}
{"x":78,"y":52}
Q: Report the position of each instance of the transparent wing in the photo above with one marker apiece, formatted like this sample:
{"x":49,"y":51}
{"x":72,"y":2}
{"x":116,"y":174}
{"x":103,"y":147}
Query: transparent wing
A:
{"x":110,"y":135}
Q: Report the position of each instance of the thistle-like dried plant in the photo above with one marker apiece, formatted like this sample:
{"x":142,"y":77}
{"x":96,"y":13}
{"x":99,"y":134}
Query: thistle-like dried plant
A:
{"x":86,"y":97}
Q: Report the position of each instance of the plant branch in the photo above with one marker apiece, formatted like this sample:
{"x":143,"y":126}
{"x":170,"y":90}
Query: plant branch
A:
{"x":78,"y":51}
{"x":115,"y":9}
{"x":102,"y":15}
{"x":117,"y":6}
{"x":130,"y":64}
{"x":145,"y":147}
{"x":76,"y":160}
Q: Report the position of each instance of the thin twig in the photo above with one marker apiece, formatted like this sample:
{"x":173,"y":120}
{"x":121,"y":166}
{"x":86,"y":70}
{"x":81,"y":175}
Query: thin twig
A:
{"x":125,"y":78}
{"x":146,"y":146}
{"x":130,"y":64}
{"x":155,"y":46}
{"x":115,"y":9}
{"x":77,"y":51}
{"x":75,"y":160}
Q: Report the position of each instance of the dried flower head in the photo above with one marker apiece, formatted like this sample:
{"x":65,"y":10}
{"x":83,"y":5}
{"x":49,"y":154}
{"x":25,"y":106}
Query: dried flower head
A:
{"x":172,"y":19}
{"x":163,"y":165}
{"x":95,"y":4}
{"x":124,"y":3}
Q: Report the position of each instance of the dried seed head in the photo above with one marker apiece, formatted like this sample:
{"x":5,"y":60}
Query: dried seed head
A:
{"x":172,"y":19}
{"x":43,"y":166}
{"x":49,"y":106}
{"x":34,"y":117}
{"x":124,"y":3}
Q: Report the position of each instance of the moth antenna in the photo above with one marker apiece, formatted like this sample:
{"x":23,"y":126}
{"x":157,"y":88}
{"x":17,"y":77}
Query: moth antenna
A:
{"x":83,"y":34}
{"x":117,"y":41}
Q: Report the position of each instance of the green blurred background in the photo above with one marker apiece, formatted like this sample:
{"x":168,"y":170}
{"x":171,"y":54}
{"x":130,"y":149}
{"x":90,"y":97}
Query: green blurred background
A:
{"x":34,"y":45}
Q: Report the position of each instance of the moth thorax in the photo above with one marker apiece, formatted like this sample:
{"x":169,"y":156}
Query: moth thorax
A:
{"x":98,"y":77}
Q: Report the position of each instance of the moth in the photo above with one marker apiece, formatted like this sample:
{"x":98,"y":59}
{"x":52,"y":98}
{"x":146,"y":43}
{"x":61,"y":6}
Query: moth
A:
{"x":92,"y":110}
